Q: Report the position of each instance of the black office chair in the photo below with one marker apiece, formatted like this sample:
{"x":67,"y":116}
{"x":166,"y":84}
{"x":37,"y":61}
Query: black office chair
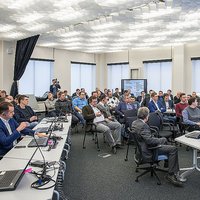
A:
{"x":91,"y":128}
{"x":140,"y":159}
{"x":162,"y":129}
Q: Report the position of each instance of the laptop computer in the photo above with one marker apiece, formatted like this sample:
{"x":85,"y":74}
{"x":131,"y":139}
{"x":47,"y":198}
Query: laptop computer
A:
{"x":45,"y":129}
{"x":42,"y":142}
{"x":10,"y":179}
{"x":193,"y":134}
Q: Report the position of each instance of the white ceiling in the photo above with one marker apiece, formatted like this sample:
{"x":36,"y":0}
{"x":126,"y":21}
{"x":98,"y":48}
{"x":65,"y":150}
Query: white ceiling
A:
{"x":101,"y":25}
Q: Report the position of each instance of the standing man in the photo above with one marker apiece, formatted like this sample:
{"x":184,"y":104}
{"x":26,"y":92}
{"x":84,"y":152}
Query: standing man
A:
{"x":54,"y":87}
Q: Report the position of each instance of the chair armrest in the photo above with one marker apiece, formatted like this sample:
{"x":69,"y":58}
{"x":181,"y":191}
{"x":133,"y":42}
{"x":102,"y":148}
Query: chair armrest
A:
{"x":153,"y":148}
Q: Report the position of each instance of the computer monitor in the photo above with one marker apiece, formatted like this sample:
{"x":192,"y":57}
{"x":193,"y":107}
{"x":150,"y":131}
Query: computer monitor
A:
{"x":135,"y":85}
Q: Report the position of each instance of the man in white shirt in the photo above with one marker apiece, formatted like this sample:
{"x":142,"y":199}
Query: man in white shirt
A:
{"x":92,"y":114}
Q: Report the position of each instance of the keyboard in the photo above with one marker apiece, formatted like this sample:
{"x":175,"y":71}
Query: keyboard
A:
{"x":40,"y":141}
{"x":193,"y":134}
{"x":7,"y":178}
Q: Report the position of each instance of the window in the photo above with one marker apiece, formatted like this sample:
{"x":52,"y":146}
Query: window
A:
{"x":83,"y":75}
{"x":158,"y":75}
{"x":195,"y":75}
{"x":36,"y":78}
{"x":116,"y":72}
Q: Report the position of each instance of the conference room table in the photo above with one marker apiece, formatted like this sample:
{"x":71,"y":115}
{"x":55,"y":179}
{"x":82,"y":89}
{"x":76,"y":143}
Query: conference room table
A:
{"x":17,"y":158}
{"x":195,"y":145}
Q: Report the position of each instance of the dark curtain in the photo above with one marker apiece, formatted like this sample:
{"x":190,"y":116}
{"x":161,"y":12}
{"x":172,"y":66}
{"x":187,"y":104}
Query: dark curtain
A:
{"x":24,"y":50}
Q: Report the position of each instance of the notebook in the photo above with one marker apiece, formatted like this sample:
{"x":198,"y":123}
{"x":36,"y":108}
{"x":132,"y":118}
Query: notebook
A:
{"x":193,"y":134}
{"x":10,"y":179}
{"x":42,"y":142}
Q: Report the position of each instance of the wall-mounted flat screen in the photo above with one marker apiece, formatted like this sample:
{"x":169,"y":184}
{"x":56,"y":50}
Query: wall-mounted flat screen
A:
{"x":135,"y":85}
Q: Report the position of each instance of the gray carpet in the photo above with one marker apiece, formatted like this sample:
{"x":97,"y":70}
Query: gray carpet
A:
{"x":90,"y":177}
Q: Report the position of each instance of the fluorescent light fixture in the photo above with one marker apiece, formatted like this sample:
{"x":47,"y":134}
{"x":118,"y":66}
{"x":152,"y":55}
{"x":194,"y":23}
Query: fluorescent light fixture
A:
{"x":111,"y":3}
{"x":185,"y":39}
{"x":35,"y":27}
{"x":160,"y":12}
{"x":67,"y":14}
{"x":183,"y":24}
{"x":75,"y":39}
{"x":146,"y":44}
{"x":106,"y":25}
{"x":73,"y":44}
{"x":98,"y":39}
{"x":19,"y":4}
{"x":133,"y":33}
{"x":126,"y":39}
{"x":14,"y":35}
{"x":167,"y":33}
{"x":48,"y":44}
{"x":6,"y":27}
{"x":95,"y":44}
{"x":70,"y":34}
{"x":28,"y":17}
{"x":121,"y":44}
{"x":101,"y":33}
{"x":156,"y":39}
{"x":144,"y":24}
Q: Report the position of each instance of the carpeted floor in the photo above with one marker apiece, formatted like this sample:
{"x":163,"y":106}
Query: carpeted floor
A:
{"x":91,"y":177}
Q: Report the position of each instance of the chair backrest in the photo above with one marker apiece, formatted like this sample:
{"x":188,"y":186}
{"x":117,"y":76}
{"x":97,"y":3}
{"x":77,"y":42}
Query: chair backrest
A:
{"x":130,"y":113}
{"x":138,"y":154}
{"x":32,"y":101}
{"x":154,"y":120}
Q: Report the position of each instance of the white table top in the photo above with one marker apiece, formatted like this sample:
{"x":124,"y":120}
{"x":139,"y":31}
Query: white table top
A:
{"x":194,"y":143}
{"x":17,"y":158}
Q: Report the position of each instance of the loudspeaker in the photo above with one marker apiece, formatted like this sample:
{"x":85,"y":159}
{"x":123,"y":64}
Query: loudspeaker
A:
{"x":10,"y":51}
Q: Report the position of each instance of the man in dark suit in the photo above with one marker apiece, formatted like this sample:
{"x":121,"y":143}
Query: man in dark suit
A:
{"x":10,"y":130}
{"x":155,"y":105}
{"x":124,"y":105}
{"x":93,"y":115}
{"x":147,"y":140}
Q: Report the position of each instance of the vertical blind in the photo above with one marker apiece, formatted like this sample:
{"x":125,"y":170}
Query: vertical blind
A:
{"x":158,"y":75}
{"x":195,"y":75}
{"x":36,"y":78}
{"x":116,"y":72}
{"x":83,"y":75}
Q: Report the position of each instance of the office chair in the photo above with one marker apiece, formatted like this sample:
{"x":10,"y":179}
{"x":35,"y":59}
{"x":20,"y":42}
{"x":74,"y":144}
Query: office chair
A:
{"x":141,"y":160}
{"x":91,"y":128}
{"x":163,"y":129}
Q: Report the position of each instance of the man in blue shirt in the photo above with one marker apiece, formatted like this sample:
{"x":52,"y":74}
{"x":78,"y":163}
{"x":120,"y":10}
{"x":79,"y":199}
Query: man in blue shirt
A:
{"x":78,"y":104}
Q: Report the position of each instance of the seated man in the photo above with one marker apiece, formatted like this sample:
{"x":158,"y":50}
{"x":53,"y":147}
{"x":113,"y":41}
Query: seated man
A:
{"x":24,"y":113}
{"x":155,"y":105}
{"x":191,"y":115}
{"x":64,"y":106}
{"x":124,"y":105}
{"x":78,"y":103}
{"x":111,"y":122}
{"x":181,"y":106}
{"x":10,"y":130}
{"x":50,"y":105}
{"x":92,"y":114}
{"x":147,"y":140}
{"x":112,"y":101}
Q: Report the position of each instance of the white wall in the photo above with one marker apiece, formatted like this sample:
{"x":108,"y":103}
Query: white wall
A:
{"x":180,"y":55}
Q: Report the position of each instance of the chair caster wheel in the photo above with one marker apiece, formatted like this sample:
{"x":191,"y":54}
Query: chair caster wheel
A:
{"x":158,"y":183}
{"x":126,"y":159}
{"x":136,"y":170}
{"x":136,"y":180}
{"x":98,"y":149}
{"x":84,"y":147}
